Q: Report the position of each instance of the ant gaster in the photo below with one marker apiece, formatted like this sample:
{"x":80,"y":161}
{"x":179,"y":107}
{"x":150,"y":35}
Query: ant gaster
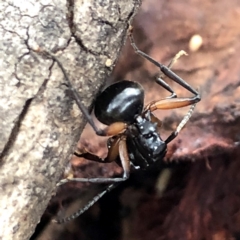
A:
{"x":133,"y":129}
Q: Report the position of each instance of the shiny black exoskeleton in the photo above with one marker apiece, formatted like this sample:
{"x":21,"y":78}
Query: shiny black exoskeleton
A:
{"x":120,"y":102}
{"x":133,"y":129}
{"x":144,"y":143}
{"x":123,"y":102}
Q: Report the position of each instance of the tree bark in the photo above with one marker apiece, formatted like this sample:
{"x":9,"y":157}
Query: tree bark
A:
{"x":39,"y":120}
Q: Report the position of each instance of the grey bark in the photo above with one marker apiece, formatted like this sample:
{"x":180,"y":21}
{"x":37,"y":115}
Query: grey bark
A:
{"x":39,"y":121}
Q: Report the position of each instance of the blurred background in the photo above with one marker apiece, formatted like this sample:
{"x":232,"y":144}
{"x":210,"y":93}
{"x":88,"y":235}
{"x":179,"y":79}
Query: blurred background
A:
{"x":195,"y":195}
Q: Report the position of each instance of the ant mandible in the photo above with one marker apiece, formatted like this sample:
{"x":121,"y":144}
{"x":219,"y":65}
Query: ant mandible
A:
{"x":133,"y":129}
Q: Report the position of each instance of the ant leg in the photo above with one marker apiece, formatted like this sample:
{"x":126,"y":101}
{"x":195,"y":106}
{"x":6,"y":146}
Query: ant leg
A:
{"x":166,"y":70}
{"x":113,"y":152}
{"x":112,"y":155}
{"x":112,"y":129}
{"x":121,"y":143}
{"x":181,"y":124}
{"x":87,"y":206}
{"x":159,"y":80}
{"x":150,"y":117}
{"x":176,"y":57}
{"x":171,"y":103}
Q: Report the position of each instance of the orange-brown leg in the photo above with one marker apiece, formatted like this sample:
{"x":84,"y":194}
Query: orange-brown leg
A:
{"x":118,"y":148}
{"x":111,"y":130}
{"x":113,"y":152}
{"x":123,"y":154}
{"x":172,"y":103}
{"x":114,"y":129}
{"x":150,"y":116}
{"x":180,"y":125}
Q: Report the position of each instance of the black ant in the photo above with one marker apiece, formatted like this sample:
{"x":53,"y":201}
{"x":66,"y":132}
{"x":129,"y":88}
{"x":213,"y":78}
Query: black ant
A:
{"x":133,"y":129}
